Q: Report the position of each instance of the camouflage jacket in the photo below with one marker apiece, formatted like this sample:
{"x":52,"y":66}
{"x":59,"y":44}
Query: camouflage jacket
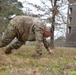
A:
{"x":30,"y":29}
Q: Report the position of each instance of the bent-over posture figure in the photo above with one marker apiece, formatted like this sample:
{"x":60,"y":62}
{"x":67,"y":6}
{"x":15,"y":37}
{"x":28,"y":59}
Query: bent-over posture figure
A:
{"x":25,"y":28}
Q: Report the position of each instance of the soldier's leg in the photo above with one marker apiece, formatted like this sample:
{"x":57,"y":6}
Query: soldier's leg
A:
{"x":39,"y":39}
{"x":8,"y":36}
{"x":38,"y":47}
{"x":38,"y":53}
{"x":14,"y":45}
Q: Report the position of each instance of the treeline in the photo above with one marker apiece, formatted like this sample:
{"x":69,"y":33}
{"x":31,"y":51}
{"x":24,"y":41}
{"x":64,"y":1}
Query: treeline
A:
{"x":7,"y":9}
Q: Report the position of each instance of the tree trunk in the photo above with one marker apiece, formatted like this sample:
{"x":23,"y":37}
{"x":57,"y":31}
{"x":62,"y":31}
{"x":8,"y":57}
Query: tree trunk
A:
{"x":53,"y":23}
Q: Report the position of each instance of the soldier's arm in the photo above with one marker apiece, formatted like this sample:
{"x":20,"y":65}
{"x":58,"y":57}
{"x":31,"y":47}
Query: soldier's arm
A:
{"x":46,"y":44}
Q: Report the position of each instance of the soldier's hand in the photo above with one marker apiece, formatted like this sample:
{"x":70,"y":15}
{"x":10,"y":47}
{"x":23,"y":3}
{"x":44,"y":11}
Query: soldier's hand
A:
{"x":51,"y":52}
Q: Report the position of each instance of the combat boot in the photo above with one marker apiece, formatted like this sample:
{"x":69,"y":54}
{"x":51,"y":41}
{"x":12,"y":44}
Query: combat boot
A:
{"x":8,"y":50}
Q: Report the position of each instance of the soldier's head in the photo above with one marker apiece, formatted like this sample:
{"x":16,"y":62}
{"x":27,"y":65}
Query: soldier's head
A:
{"x":47,"y":32}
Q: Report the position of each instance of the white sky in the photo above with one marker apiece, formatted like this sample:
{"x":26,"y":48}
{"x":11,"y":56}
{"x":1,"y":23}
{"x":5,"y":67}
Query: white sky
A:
{"x":37,"y":2}
{"x":31,"y":1}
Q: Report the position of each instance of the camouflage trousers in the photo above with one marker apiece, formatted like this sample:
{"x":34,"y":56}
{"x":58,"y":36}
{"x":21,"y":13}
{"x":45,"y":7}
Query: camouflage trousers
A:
{"x":8,"y":36}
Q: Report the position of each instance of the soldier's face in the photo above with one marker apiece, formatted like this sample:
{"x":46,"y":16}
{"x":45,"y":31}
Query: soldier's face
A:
{"x":47,"y":33}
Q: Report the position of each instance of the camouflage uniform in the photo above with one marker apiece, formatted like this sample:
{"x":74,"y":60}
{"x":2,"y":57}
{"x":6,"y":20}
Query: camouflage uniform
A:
{"x":24,"y":28}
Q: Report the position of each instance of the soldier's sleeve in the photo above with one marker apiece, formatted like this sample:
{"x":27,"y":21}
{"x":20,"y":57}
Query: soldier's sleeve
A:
{"x":46,"y":44}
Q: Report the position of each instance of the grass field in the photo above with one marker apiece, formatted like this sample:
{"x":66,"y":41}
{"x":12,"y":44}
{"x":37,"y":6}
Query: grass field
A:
{"x":20,"y":62}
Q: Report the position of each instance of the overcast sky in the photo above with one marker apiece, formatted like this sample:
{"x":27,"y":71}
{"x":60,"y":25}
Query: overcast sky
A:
{"x":32,"y":1}
{"x":36,"y":2}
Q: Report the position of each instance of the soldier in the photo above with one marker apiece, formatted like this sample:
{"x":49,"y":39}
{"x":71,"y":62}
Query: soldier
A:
{"x":25,"y":28}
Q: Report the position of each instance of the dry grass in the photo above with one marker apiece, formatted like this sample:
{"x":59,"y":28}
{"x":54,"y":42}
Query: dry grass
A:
{"x":21,"y":63}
